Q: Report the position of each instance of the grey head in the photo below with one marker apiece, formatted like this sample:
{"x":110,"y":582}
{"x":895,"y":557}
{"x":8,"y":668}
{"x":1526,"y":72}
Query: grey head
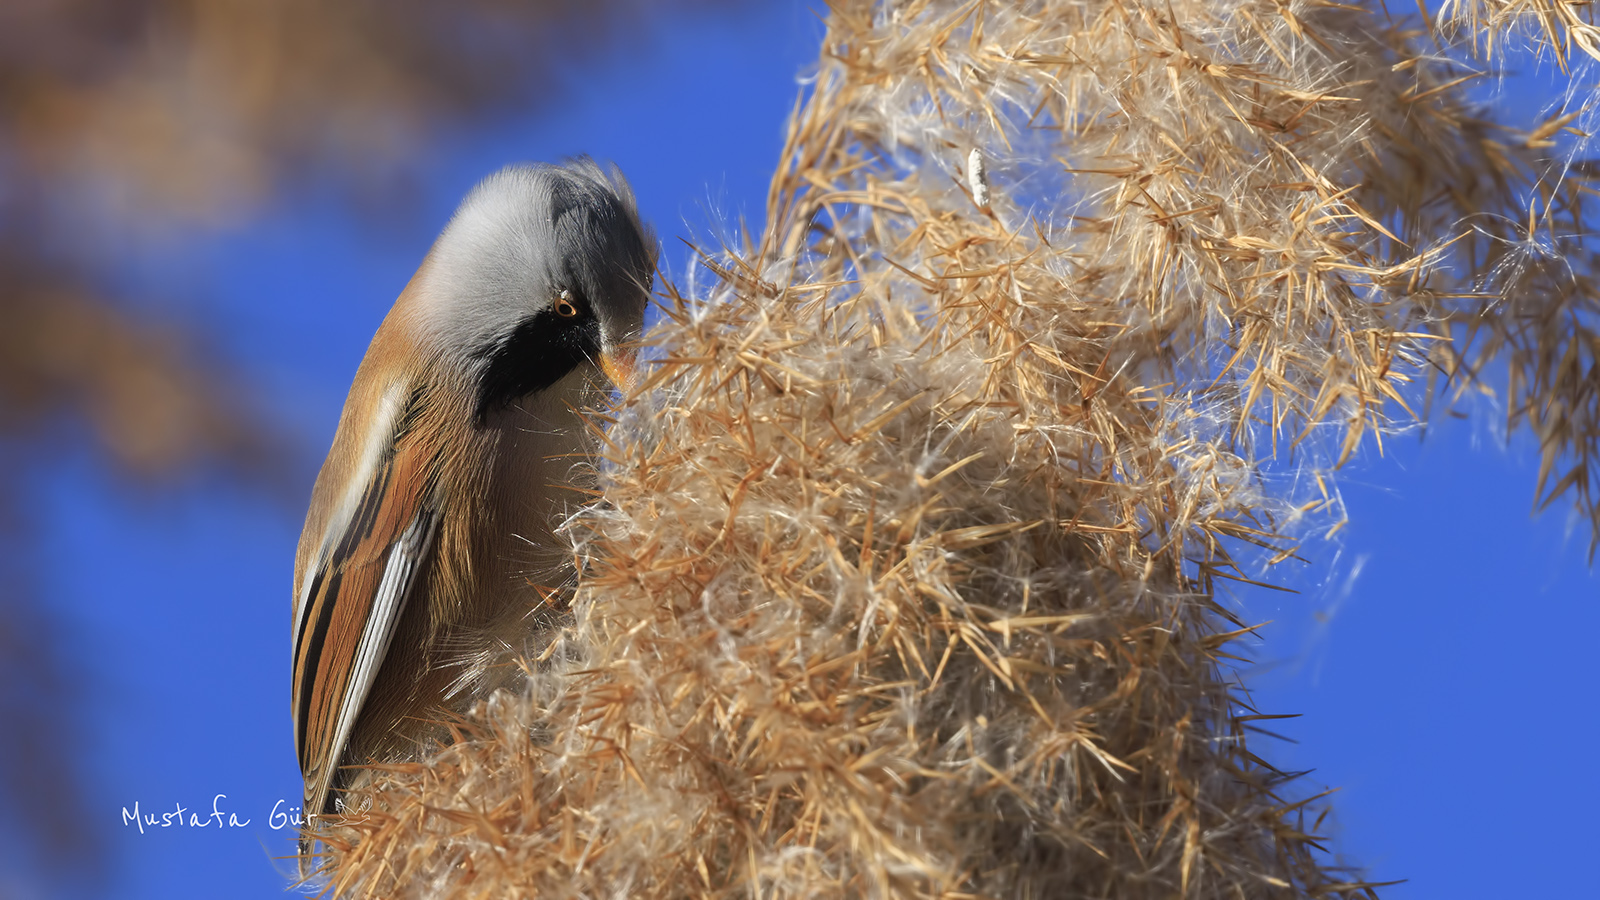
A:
{"x":542,"y":269}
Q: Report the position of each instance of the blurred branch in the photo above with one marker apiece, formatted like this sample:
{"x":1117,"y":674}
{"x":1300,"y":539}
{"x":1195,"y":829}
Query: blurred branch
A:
{"x":201,"y":108}
{"x":149,"y":407}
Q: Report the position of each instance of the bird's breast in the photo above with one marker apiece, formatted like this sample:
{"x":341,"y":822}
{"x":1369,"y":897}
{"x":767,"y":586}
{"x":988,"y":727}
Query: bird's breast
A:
{"x":540,"y":473}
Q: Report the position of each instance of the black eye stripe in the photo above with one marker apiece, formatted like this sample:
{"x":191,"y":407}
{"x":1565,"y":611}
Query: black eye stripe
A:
{"x":541,"y":351}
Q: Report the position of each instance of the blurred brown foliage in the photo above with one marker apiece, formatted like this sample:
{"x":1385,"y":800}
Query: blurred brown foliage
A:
{"x":185,"y":114}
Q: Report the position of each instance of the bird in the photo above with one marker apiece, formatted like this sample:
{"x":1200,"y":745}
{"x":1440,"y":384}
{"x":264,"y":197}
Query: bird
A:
{"x":460,"y":445}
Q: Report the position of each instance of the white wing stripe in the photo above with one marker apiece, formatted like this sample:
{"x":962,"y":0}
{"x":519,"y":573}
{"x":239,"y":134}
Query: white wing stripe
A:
{"x":380,"y":626}
{"x":379,"y":439}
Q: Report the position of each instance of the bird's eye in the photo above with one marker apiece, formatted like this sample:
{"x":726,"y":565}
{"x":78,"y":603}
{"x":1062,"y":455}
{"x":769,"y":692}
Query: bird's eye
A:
{"x":564,"y":307}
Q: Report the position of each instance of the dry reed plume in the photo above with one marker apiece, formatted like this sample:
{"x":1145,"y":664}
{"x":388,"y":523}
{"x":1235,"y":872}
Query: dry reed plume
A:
{"x":1062,"y":312}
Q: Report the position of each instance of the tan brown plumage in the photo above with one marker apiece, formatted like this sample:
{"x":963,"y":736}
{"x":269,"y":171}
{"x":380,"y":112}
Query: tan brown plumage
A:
{"x":434,"y":515}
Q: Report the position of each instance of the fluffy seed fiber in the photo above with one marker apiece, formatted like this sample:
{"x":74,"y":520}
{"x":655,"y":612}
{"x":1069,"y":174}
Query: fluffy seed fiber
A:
{"x":905,"y":582}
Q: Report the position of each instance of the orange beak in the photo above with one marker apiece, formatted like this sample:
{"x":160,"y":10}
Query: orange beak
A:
{"x":618,"y":365}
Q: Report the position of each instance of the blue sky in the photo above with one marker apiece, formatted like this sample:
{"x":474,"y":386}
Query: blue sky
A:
{"x":1438,"y":651}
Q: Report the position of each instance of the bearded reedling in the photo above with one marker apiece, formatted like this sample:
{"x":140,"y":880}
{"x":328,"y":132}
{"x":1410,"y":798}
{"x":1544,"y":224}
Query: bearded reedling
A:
{"x":454,"y":458}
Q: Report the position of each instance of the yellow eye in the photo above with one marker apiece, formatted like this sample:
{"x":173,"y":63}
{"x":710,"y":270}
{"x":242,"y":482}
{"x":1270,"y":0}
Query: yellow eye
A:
{"x":564,"y":307}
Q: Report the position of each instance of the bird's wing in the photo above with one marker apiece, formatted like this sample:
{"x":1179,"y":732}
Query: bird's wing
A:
{"x":373,"y":553}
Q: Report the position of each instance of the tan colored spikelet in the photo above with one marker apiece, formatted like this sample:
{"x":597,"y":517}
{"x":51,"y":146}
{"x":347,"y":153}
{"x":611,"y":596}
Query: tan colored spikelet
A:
{"x":905,"y":583}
